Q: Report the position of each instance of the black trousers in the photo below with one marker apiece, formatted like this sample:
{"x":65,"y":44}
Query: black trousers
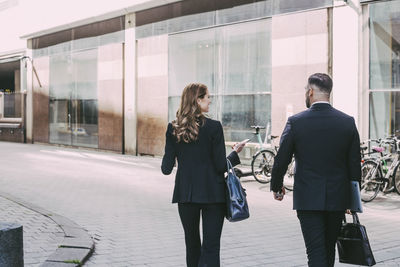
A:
{"x":320,"y":231}
{"x":205,"y":254}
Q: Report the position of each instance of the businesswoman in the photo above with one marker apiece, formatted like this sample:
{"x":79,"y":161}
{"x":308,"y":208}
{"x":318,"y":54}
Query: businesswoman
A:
{"x":197,"y":143}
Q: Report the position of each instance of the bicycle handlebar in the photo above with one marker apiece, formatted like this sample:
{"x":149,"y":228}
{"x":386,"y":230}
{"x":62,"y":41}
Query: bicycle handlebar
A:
{"x":257,"y":126}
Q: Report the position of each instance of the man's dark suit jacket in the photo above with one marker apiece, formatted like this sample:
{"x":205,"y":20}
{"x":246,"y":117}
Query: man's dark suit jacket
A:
{"x":326,"y":146}
{"x":201,"y":165}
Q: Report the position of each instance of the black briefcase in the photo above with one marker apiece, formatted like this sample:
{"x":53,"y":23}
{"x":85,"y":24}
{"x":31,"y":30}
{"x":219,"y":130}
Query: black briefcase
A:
{"x":353,"y":244}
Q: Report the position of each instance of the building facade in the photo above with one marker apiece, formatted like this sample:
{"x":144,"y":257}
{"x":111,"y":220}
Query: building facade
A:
{"x":110,"y":77}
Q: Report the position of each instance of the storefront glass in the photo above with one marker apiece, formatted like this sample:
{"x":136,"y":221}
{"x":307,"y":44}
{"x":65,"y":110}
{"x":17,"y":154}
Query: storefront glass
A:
{"x":384,"y":69}
{"x":235,"y":63}
{"x":73,"y":98}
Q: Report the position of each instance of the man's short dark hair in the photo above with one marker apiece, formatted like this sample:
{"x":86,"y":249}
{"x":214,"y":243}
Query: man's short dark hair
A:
{"x":322,"y":81}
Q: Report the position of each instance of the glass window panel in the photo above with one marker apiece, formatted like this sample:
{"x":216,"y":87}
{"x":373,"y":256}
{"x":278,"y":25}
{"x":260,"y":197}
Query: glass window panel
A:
{"x":385,"y":45}
{"x":59,"y":48}
{"x":244,"y":12}
{"x":73,"y":98}
{"x":84,"y":43}
{"x":173,"y":106}
{"x":111,"y":38}
{"x":85,"y":74}
{"x":246,"y":57}
{"x":235,"y":63}
{"x":286,"y":6}
{"x":191,"y":59}
{"x":191,"y":22}
{"x":239,"y":13}
{"x":159,"y":28}
{"x":80,"y":44}
{"x":144,"y":31}
{"x":239,"y":112}
{"x":61,"y":76}
{"x":384,"y":117}
{"x":59,"y":121}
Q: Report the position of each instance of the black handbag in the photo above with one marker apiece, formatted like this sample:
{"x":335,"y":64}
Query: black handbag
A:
{"x":236,"y":202}
{"x":353,"y":244}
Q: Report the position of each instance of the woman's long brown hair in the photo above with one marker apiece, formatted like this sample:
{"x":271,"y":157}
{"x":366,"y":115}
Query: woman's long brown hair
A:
{"x":189,"y":117}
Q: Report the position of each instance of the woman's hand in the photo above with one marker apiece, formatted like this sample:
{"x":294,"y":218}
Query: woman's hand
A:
{"x":239,"y":146}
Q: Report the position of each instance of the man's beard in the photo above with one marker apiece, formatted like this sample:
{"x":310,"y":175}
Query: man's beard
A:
{"x":308,"y":104}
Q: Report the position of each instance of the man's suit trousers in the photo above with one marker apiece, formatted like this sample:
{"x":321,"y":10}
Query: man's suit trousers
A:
{"x":320,"y":231}
{"x":205,"y":254}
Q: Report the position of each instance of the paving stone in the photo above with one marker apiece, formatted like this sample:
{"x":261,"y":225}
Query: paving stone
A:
{"x":77,"y":242}
{"x":38,"y":237}
{"x":76,"y":232}
{"x":63,"y":221}
{"x":69,"y":254}
{"x":58,"y":264}
{"x":124,"y":202}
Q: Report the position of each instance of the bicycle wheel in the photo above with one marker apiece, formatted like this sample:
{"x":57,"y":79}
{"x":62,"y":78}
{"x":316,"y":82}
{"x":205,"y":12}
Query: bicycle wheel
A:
{"x":288,"y":182}
{"x":369,"y":183}
{"x":396,"y":180}
{"x":261,"y":166}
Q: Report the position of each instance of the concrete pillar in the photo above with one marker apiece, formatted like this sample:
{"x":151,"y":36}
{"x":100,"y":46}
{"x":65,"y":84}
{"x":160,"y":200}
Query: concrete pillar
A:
{"x":152,"y":94}
{"x":11,"y":245}
{"x":130,"y":116}
{"x":345,"y":57}
{"x":29,"y":99}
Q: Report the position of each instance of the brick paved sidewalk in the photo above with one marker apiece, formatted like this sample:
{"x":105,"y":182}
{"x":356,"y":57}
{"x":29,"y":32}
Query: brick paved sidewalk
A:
{"x":125,"y":204}
{"x":41,"y":235}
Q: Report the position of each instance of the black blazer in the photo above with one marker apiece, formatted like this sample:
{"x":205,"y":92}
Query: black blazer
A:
{"x":201,"y":165}
{"x":326,"y":146}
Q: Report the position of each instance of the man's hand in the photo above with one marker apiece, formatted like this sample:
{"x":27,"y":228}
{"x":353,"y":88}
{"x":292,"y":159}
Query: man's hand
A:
{"x":279,"y":195}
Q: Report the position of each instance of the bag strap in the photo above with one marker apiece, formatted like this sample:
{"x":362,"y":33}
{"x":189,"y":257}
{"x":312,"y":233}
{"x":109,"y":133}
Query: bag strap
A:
{"x":355,"y":218}
{"x":229,"y":165}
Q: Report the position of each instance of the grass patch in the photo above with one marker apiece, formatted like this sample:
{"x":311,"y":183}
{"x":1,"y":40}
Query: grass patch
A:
{"x":73,"y":261}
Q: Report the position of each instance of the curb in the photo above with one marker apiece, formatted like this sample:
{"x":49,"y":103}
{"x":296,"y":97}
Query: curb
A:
{"x":77,"y":246}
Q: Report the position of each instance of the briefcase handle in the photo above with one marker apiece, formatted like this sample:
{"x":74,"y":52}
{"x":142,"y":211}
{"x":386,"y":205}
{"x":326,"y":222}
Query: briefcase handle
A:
{"x":355,"y":218}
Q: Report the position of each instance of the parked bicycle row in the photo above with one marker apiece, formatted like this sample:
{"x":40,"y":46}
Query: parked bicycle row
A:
{"x":379,"y":165}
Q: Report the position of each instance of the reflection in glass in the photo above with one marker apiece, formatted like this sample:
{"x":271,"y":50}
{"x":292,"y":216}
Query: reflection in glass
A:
{"x":385,"y":45}
{"x":384,"y":117}
{"x":235,"y":63}
{"x":192,"y":58}
{"x":73,"y":99}
{"x":239,"y":112}
{"x":286,"y":6}
{"x":246,"y":65}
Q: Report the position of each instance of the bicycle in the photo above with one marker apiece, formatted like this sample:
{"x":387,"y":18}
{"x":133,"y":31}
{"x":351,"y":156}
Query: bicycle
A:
{"x":263,"y":161}
{"x":377,"y":175}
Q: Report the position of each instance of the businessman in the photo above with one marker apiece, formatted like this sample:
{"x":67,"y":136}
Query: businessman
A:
{"x":326,"y":147}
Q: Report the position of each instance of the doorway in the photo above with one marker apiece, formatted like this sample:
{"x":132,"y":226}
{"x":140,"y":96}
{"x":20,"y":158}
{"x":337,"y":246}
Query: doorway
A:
{"x":73,"y":107}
